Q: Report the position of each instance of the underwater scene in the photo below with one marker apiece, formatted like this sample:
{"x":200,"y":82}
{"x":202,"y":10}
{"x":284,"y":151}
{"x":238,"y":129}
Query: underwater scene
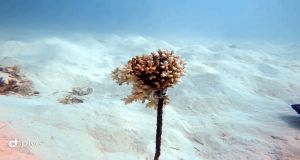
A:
{"x":149,"y":79}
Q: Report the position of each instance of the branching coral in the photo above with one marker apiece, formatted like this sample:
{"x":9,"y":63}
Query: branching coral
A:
{"x":70,"y":99}
{"x":9,"y":86}
{"x":75,"y":95}
{"x":16,"y":82}
{"x":149,"y":74}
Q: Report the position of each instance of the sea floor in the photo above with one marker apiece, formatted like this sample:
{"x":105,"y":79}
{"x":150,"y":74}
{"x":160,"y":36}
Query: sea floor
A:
{"x":234,"y":102}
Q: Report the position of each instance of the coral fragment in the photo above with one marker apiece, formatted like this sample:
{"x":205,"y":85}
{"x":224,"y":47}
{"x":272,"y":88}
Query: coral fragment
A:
{"x":149,"y":74}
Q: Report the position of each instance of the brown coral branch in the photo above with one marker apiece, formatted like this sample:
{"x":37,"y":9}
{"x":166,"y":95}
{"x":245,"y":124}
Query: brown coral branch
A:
{"x":16,"y":82}
{"x":150,"y":73}
{"x":150,"y":76}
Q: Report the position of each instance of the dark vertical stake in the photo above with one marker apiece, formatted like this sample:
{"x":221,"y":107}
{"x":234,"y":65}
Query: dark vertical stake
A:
{"x":159,"y":122}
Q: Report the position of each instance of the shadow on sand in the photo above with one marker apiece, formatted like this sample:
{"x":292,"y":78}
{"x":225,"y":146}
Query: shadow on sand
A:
{"x":292,"y":121}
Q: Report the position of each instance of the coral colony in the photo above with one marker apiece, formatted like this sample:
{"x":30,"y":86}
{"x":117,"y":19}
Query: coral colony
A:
{"x":16,"y":83}
{"x":150,"y":76}
{"x":75,"y":96}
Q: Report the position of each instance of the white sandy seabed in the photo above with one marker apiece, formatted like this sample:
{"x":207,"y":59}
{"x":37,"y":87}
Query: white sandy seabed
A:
{"x":234,"y":102}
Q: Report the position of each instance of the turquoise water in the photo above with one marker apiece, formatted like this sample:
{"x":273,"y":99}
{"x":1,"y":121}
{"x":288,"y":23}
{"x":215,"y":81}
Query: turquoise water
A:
{"x":230,"y":19}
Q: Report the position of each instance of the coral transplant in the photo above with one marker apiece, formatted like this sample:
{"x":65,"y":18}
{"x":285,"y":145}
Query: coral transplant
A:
{"x":151,"y":75}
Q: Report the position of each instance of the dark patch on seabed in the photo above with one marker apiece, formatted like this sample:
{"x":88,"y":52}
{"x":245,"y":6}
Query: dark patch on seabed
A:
{"x":292,"y":121}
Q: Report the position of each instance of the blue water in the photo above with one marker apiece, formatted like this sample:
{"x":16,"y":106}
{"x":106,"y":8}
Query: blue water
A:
{"x":233,"y":19}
